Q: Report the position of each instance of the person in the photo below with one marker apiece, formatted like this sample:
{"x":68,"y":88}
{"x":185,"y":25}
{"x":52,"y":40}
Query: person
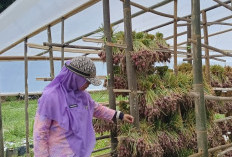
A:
{"x":63,"y":121}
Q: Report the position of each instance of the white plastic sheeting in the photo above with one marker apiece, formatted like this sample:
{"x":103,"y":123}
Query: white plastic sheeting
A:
{"x":25,"y":16}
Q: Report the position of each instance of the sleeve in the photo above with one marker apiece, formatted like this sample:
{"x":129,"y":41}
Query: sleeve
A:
{"x":41,"y":134}
{"x":103,"y":112}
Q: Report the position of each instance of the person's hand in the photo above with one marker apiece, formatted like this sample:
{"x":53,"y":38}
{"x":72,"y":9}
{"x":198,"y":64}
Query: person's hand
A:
{"x":128,"y":118}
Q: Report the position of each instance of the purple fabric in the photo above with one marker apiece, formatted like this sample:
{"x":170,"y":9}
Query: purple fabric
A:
{"x":63,"y":101}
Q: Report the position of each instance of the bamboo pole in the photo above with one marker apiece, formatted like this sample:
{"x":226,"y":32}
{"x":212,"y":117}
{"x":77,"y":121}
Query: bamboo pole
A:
{"x":223,"y":4}
{"x":182,"y":33}
{"x":110,"y":73}
{"x":120,"y":21}
{"x":72,"y":50}
{"x":211,"y":57}
{"x":170,"y":22}
{"x":223,"y":119}
{"x":207,"y":62}
{"x":210,"y":97}
{"x":212,"y":48}
{"x":54,"y":22}
{"x":189,"y":43}
{"x":221,"y":154}
{"x":26,"y":98}
{"x":62,"y":42}
{"x":131,"y":74}
{"x":52,"y":73}
{"x":1,"y":131}
{"x":200,"y":111}
{"x":213,"y":34}
{"x":35,"y":58}
{"x":72,"y":46}
{"x":175,"y":38}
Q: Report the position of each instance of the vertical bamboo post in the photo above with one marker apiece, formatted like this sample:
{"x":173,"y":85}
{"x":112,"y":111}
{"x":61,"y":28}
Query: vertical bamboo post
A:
{"x":62,"y":42}
{"x":26,"y":97}
{"x":200,"y":111}
{"x":189,"y":43}
{"x":207,"y":62}
{"x":1,"y":131}
{"x":110,"y":72}
{"x":50,"y":52}
{"x":131,"y":73}
{"x":175,"y":37}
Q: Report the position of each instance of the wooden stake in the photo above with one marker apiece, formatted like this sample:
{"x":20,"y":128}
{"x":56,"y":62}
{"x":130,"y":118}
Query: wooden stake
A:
{"x":62,"y":42}
{"x":52,"y":74}
{"x":200,"y":111}
{"x":26,"y":98}
{"x":131,"y":74}
{"x":175,"y":38}
{"x":207,"y":62}
{"x":1,"y":131}
{"x":110,"y":73}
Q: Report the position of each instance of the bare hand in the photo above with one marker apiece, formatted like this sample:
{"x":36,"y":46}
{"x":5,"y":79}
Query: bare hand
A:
{"x":128,"y":118}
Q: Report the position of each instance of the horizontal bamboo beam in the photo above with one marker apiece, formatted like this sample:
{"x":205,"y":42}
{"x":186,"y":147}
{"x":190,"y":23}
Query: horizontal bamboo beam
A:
{"x":54,"y":22}
{"x":20,"y":94}
{"x":103,"y":42}
{"x":222,"y":89}
{"x":44,"y":79}
{"x":210,"y":97}
{"x":221,"y":154}
{"x":212,"y":48}
{"x":223,"y":4}
{"x":72,"y":46}
{"x":185,"y":48}
{"x":36,"y":58}
{"x":170,"y":22}
{"x":102,"y":137}
{"x":104,"y":155}
{"x":208,"y":24}
{"x":98,"y":150}
{"x":125,"y":91}
{"x":223,"y":119}
{"x":70,"y":50}
{"x":211,"y":150}
{"x":120,"y":21}
{"x":217,"y":59}
{"x":157,"y":12}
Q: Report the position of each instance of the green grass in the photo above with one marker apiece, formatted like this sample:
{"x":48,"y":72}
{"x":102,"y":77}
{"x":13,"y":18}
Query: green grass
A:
{"x":13,"y":116}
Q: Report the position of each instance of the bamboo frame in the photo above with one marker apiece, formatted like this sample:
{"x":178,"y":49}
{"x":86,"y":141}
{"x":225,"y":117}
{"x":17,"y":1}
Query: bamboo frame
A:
{"x":210,"y":97}
{"x":62,"y":42}
{"x":86,"y":5}
{"x":72,"y":46}
{"x":120,"y":21}
{"x":50,"y":50}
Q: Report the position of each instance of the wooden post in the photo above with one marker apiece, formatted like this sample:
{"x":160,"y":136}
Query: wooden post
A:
{"x":131,"y":73}
{"x":175,"y":38}
{"x":1,"y":131}
{"x":189,"y":43}
{"x":52,"y":75}
{"x":110,"y":73}
{"x":200,"y":111}
{"x":26,"y":98}
{"x":207,"y":62}
{"x":62,"y":42}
